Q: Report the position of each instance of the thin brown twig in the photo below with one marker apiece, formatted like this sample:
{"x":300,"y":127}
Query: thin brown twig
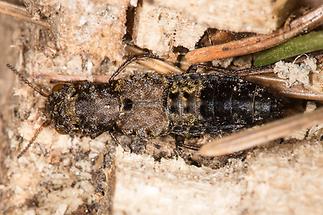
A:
{"x":261,"y":135}
{"x":20,"y":13}
{"x":279,"y":85}
{"x":57,"y":78}
{"x":254,"y":44}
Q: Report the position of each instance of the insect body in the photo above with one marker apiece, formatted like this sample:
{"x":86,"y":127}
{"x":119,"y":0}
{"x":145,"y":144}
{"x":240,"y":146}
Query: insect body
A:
{"x":150,"y":105}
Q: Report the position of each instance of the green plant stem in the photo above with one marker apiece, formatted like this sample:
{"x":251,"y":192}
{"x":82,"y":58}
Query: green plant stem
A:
{"x":310,"y":42}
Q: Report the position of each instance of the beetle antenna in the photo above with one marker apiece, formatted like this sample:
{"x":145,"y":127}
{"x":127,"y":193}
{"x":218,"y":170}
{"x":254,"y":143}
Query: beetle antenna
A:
{"x":32,"y":140}
{"x":42,"y":91}
{"x":129,"y":61}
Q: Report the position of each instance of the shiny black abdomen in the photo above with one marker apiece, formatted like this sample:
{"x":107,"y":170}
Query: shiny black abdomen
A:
{"x":209,"y":103}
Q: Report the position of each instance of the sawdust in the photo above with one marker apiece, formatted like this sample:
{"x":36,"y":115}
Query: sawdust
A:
{"x":296,"y":73}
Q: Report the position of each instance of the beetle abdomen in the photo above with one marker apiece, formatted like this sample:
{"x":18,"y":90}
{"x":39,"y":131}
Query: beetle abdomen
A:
{"x":213,"y":104}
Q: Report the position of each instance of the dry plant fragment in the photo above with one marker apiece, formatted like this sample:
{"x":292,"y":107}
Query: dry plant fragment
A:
{"x":261,"y":135}
{"x":20,"y":13}
{"x":257,"y":43}
{"x":280,"y":86}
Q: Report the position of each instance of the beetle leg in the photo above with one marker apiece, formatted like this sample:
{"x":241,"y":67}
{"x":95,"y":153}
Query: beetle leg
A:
{"x":152,"y":62}
{"x":136,"y":58}
{"x":180,"y":143}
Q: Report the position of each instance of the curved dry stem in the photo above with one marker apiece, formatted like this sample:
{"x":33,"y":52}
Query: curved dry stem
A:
{"x":261,"y":135}
{"x":250,"y":45}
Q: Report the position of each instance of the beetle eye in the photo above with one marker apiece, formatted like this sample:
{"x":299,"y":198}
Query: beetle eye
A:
{"x":57,"y":87}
